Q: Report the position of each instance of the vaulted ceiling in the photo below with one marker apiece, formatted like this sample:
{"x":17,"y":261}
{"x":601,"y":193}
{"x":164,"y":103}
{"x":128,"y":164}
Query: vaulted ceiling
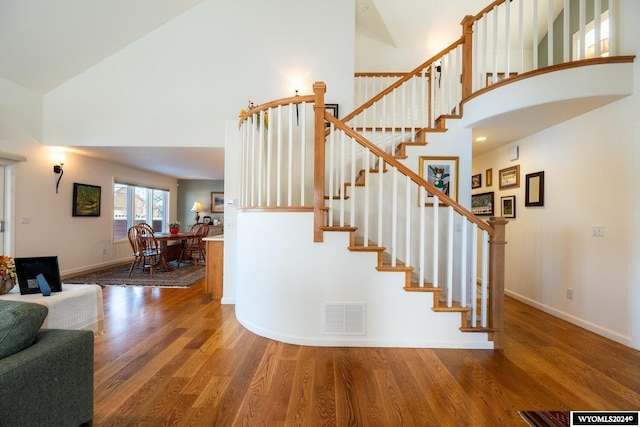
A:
{"x":44,"y":43}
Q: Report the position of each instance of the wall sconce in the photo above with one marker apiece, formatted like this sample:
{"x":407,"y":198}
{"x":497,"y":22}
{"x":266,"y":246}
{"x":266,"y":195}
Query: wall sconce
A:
{"x":57,"y":169}
{"x":297,"y":113}
{"x":197,"y":207}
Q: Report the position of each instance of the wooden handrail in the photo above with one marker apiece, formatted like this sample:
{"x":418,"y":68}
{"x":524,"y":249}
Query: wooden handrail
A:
{"x":389,"y":159}
{"x":407,"y":76}
{"x":298,"y":99}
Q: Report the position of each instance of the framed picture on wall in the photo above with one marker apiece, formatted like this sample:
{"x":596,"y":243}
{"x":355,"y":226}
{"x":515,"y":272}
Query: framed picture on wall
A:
{"x":482,"y":204}
{"x":442,"y":172}
{"x":331,"y":109}
{"x":508,"y":206}
{"x":217,"y":202}
{"x":476,"y":181}
{"x":86,"y":200}
{"x":534,"y":189}
{"x":509,"y":177}
{"x":489,"y":177}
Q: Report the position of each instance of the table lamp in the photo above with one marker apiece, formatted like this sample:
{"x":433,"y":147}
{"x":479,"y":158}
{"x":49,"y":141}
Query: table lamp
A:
{"x":197,"y":207}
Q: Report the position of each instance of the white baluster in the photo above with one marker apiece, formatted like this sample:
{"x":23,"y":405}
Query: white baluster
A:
{"x":450,"y":256}
{"x":367,"y":190}
{"x":407,"y":231}
{"x":303,"y":151}
{"x":463,"y":262}
{"x":422,"y":210}
{"x":549,"y":32}
{"x":613,"y":28}
{"x":394,"y":218}
{"x":521,"y":36}
{"x":485,"y":278}
{"x":597,"y":17}
{"x":331,"y":144}
{"x":534,"y":41}
{"x":507,"y":38}
{"x":260,"y":157}
{"x":566,"y":34}
{"x":279,"y":159}
{"x":380,"y":198}
{"x":352,"y":197}
{"x":474,"y":274}
{"x":582,"y":28}
{"x":436,"y":279}
{"x":290,"y":159}
{"x":495,"y":45}
{"x":269,"y":159}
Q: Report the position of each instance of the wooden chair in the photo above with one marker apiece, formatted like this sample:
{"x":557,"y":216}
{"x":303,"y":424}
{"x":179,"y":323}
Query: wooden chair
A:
{"x":146,"y":249}
{"x":194,"y":248}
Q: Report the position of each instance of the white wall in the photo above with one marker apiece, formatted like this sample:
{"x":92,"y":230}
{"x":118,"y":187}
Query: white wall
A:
{"x":589,"y":164}
{"x":175,"y":86}
{"x":284,"y":282}
{"x":79,"y":243}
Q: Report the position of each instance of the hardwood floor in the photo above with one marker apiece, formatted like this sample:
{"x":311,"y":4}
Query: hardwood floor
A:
{"x":174,"y":357}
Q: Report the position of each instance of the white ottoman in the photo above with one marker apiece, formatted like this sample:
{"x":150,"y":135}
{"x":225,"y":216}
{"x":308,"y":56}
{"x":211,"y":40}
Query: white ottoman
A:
{"x":76,"y":307}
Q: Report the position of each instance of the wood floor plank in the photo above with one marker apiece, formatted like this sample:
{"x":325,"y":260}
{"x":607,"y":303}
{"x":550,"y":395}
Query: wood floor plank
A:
{"x":174,"y":357}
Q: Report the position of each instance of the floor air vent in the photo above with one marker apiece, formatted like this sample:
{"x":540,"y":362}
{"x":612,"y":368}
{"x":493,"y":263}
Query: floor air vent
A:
{"x":343,"y":319}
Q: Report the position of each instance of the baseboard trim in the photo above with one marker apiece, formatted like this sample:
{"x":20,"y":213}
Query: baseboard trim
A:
{"x":596,"y":329}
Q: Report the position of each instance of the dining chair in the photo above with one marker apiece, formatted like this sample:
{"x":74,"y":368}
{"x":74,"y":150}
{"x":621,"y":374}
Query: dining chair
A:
{"x":194,"y":248}
{"x":146,"y":249}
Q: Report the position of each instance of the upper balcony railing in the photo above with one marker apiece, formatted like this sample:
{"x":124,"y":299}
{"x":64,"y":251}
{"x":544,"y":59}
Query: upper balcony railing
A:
{"x":505,"y":40}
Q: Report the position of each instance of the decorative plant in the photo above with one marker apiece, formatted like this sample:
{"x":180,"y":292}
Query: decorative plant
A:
{"x":250,"y":106}
{"x":7,"y":267}
{"x":175,"y":224}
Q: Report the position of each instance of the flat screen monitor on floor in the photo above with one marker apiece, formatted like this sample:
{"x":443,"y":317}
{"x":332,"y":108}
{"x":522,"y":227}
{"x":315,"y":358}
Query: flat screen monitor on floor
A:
{"x":27,"y":270}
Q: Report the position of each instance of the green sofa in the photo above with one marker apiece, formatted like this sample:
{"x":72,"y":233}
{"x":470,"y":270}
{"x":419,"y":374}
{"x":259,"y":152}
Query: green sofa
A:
{"x":46,"y":375}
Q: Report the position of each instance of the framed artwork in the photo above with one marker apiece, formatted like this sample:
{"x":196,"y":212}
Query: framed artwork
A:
{"x":489,"y":177}
{"x":206,"y":219}
{"x":86,"y":200}
{"x":442,"y":172}
{"x":508,"y":206}
{"x":509,"y":177}
{"x":476,"y":181}
{"x":331,"y":109}
{"x":217,"y":202}
{"x":534,"y":189}
{"x":482,"y":204}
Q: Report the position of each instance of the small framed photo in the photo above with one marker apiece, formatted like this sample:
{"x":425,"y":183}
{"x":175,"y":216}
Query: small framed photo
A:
{"x":331,"y":109}
{"x":476,"y":181}
{"x":206,"y":219}
{"x":442,"y":172}
{"x":482,"y":204}
{"x":86,"y":200}
{"x":217,"y":202}
{"x":534,"y":189}
{"x":489,"y":177}
{"x":508,"y":206}
{"x":509,"y":177}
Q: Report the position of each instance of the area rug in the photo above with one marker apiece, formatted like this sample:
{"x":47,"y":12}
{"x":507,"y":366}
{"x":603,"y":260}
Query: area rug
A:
{"x":546,"y":418}
{"x":184,"y":276}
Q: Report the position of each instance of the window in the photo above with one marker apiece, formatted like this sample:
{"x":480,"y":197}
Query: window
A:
{"x":134,"y":205}
{"x":590,"y":39}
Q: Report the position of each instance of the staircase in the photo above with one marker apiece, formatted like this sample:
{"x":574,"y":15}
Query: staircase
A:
{"x":352,"y":184}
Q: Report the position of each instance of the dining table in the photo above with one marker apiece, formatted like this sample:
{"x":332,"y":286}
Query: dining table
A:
{"x":164,"y":239}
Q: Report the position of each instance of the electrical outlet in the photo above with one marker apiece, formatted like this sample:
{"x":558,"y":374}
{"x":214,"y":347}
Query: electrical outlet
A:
{"x":569,"y":293}
{"x":597,"y":230}
{"x":25,"y":220}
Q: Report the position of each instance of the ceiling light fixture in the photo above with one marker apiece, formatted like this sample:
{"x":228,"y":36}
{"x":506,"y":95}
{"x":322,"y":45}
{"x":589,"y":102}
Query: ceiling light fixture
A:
{"x":481,"y":138}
